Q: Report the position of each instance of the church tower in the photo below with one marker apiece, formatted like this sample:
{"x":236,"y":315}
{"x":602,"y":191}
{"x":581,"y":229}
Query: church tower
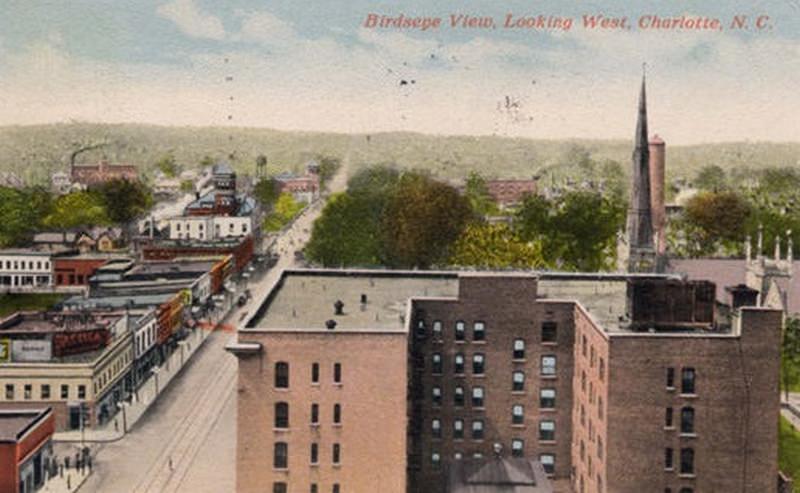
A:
{"x":639,"y":226}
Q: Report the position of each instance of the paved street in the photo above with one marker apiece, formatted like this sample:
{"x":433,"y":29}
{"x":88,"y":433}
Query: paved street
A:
{"x":187,"y":439}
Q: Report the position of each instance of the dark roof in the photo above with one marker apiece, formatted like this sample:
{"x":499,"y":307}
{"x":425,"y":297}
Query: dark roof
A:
{"x":222,"y":169}
{"x":15,"y":423}
{"x":497,"y":475}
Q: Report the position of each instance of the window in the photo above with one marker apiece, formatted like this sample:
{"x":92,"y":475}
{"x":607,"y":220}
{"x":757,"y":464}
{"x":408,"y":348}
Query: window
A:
{"x":280,"y":459}
{"x":519,"y":349}
{"x":27,"y":391}
{"x":65,"y":391}
{"x":687,"y":461}
{"x":477,"y":397}
{"x":687,"y":381}
{"x":458,"y":396}
{"x":281,"y":415}
{"x":335,"y":488}
{"x":436,"y":363}
{"x":478,"y":331}
{"x":436,"y":428}
{"x":337,"y":414}
{"x":45,"y":391}
{"x":518,"y":381}
{"x":687,"y":420}
{"x":548,"y":365}
{"x":282,"y":375}
{"x":81,"y":391}
{"x":458,"y":364}
{"x":548,"y":462}
{"x":670,"y":378}
{"x":668,"y":417}
{"x":599,"y":447}
{"x":478,"y":361}
{"x":686,"y":490}
{"x":420,"y":328}
{"x":584,"y":346}
{"x":9,"y":391}
{"x":459,"y":331}
{"x":314,"y":488}
{"x":668,"y":458}
{"x":337,"y":373}
{"x":477,"y":429}
{"x":600,"y":407}
{"x":517,"y":414}
{"x":315,"y":373}
{"x":549,"y":332}
{"x":314,"y":414}
{"x":458,"y":428}
{"x":437,"y":328}
{"x":315,"y":453}
{"x":436,"y":394}
{"x":436,"y":459}
{"x":547,"y":430}
{"x":517,"y":448}
{"x":280,"y":487}
{"x":601,"y":369}
{"x":336,"y":454}
{"x":547,"y":398}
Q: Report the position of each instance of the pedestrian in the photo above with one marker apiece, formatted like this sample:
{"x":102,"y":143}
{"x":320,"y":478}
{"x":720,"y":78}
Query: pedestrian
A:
{"x":89,"y":461}
{"x":170,"y":463}
{"x":116,"y":424}
{"x":69,"y":485}
{"x":66,"y":462}
{"x":61,"y":470}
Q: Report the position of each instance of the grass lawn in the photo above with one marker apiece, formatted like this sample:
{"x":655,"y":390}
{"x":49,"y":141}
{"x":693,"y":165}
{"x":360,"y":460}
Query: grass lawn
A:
{"x":789,"y":451}
{"x":10,"y":303}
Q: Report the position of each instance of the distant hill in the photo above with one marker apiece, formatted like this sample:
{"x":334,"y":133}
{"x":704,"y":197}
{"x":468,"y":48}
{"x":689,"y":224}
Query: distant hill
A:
{"x":36,"y":151}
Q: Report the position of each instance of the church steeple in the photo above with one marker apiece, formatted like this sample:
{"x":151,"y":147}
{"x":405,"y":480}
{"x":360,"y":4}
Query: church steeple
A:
{"x":640,"y":222}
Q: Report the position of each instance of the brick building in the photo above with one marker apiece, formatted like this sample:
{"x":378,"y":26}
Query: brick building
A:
{"x":25,"y":448}
{"x":607,"y":381}
{"x":87,"y":175}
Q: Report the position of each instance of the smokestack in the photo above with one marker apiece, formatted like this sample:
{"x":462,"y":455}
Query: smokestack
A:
{"x":657,"y":164}
{"x":338,"y":307}
{"x":330,"y":324}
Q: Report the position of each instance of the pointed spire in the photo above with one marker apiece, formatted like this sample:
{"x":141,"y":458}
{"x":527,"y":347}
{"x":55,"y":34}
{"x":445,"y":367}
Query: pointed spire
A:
{"x":640,"y":221}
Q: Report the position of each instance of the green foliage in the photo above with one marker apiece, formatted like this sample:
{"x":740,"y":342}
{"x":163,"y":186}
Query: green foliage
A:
{"x":789,"y":450}
{"x":266,"y":192}
{"x":187,"y":186}
{"x":714,"y":219}
{"x":616,"y":182}
{"x":495,"y":246}
{"x":711,"y":177}
{"x":286,"y":208}
{"x":206,"y":161}
{"x":779,"y":181}
{"x":15,"y":302}
{"x":21,"y":211}
{"x":379,"y":179}
{"x":78,"y":209}
{"x":348,"y":231}
{"x":327,"y":168}
{"x":478,"y":195}
{"x":168,"y":166}
{"x":577,"y":231}
{"x":124,"y":200}
{"x":422,"y":219}
{"x":790,"y":356}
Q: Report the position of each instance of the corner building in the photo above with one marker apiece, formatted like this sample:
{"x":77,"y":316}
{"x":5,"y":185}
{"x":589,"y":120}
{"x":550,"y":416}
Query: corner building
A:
{"x":610,"y":382}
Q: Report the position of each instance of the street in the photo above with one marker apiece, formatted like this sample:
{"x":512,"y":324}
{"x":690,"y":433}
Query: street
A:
{"x":187,"y":439}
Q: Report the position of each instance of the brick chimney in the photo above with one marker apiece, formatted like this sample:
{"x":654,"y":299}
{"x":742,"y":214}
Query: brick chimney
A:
{"x":657,"y":167}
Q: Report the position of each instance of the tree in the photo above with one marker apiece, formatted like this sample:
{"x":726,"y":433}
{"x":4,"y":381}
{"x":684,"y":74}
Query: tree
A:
{"x":715,"y":217}
{"x":347,"y":233}
{"x":616,"y":182}
{"x":790,"y":355}
{"x":477,"y":194}
{"x":286,"y":208}
{"x":187,"y":186}
{"x":328,"y":166}
{"x":168,"y":166}
{"x":124,"y":200}
{"x":380,"y":179}
{"x":494,"y":246}
{"x":85,"y":208}
{"x":422,"y":220}
{"x":266,"y":192}
{"x":19,"y":216}
{"x":711,"y":177}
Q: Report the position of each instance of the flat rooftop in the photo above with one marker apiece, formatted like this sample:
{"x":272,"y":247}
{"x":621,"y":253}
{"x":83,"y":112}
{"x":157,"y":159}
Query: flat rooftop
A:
{"x":15,"y":423}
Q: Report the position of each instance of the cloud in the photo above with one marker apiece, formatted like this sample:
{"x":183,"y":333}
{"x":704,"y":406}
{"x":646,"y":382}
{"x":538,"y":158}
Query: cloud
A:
{"x":191,"y":21}
{"x":264,"y":27}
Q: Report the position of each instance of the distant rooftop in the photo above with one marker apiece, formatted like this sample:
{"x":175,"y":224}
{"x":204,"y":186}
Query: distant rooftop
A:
{"x":497,"y":475}
{"x":15,"y":423}
{"x":117,"y":302}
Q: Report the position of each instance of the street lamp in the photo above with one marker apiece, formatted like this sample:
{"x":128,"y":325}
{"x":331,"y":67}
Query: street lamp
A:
{"x":122,"y":406}
{"x":182,"y":344}
{"x":155,"y":371}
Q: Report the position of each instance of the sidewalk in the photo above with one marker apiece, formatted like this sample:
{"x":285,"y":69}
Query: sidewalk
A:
{"x":71,"y":480}
{"x":115,"y":428}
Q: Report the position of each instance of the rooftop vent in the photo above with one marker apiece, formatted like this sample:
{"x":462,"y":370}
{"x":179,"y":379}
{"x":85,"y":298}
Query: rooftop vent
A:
{"x":363,"y":297}
{"x":338,"y":307}
{"x":330,"y":324}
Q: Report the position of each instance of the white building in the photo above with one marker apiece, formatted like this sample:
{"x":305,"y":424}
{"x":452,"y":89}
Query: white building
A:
{"x":22,"y":270}
{"x":209,"y":227}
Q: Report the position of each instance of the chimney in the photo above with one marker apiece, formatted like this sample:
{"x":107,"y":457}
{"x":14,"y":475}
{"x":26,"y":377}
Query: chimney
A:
{"x":338,"y":307}
{"x":657,"y":164}
{"x":330,"y":324}
{"x":741,"y":295}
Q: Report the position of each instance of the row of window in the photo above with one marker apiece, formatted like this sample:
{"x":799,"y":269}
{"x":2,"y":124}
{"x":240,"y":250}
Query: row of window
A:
{"x":589,"y":352}
{"x":282,"y":487}
{"x":282,"y":374}
{"x":687,"y":419}
{"x":548,"y":366}
{"x":547,"y":396}
{"x":44,"y":391}
{"x":26,"y":266}
{"x":688,"y":377}
{"x":547,"y":427}
{"x":280,"y":458}
{"x":549,"y":331}
{"x":282,"y":414}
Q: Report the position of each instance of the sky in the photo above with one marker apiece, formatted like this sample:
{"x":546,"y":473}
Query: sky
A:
{"x":314,"y":66}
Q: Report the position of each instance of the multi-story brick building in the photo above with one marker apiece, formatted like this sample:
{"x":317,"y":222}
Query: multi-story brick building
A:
{"x":615,"y":382}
